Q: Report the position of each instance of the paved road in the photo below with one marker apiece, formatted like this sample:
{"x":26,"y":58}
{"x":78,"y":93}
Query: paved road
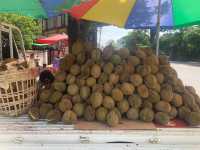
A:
{"x":189,"y":73}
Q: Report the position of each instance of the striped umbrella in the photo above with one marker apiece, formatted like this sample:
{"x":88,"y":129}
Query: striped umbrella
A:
{"x":139,"y":13}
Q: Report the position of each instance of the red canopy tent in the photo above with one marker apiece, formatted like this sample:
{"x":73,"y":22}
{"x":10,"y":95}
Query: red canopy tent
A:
{"x":53,"y":39}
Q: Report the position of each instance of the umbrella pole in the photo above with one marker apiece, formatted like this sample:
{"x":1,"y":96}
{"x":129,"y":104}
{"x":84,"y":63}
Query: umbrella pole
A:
{"x":158,"y":28}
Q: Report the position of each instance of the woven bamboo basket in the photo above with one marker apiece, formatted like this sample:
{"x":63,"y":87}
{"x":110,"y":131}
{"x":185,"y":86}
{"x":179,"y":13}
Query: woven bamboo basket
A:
{"x":17,"y":91}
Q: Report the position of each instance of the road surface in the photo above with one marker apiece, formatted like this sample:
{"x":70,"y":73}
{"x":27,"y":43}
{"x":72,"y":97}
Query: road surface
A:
{"x":189,"y":73}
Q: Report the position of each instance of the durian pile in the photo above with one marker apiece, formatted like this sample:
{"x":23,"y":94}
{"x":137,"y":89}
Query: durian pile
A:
{"x":109,"y":85}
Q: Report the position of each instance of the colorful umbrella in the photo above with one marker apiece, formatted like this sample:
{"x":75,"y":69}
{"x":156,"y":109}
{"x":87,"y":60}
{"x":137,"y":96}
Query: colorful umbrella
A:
{"x":31,"y":8}
{"x":56,"y":7}
{"x":132,"y":14}
{"x":37,"y":8}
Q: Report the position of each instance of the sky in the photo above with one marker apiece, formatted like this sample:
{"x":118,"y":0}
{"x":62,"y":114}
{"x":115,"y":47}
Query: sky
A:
{"x":109,"y":33}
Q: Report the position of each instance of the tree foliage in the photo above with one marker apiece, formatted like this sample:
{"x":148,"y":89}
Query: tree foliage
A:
{"x":30,"y":28}
{"x":133,"y":38}
{"x":182,"y":45}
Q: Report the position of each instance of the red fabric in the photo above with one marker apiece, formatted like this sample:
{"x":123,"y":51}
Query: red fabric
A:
{"x":78,"y":11}
{"x":52,"y":39}
{"x":174,"y":124}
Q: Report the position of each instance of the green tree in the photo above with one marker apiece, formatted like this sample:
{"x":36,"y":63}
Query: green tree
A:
{"x":30,"y":28}
{"x":183,"y":44}
{"x":133,"y":38}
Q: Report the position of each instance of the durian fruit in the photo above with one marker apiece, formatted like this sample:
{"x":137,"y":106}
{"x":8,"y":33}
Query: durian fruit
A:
{"x":116,"y":59}
{"x":70,"y":79}
{"x":108,"y":52}
{"x":80,"y":82}
{"x":135,"y":101}
{"x":179,"y":87}
{"x":123,"y":106}
{"x":124,"y":77}
{"x":113,"y":78}
{"x":96,"y":71}
{"x":157,"y":88}
{"x":190,"y":89}
{"x":117,"y":94}
{"x":112,"y":119}
{"x":81,"y":58}
{"x":97,"y":88}
{"x":141,"y":54}
{"x":108,"y":68}
{"x":55,"y":97}
{"x":154,"y":69}
{"x":34,"y":113}
{"x":96,"y":55}
{"x":64,"y":105}
{"x":193,"y":119}
{"x":148,"y":51}
{"x":75,"y":69}
{"x":127,"y":88}
{"x":60,"y":76}
{"x":107,"y":88}
{"x":146,"y":115}
{"x":79,"y":108}
{"x":96,"y":99}
{"x":143,"y":91}
{"x":124,"y":53}
{"x":119,"y":69}
{"x":183,"y":112}
{"x":173,"y":113}
{"x":166,"y":94}
{"x":85,"y":71}
{"x":132,"y":114}
{"x":134,"y":60}
{"x":85,"y":92}
{"x":69,"y":117}
{"x":136,"y":79}
{"x":108,"y":102}
{"x":116,"y":110}
{"x":147,"y":104}
{"x":101,"y":114}
{"x":163,"y":60}
{"x":189,"y":100}
{"x":59,"y":86}
{"x":89,"y":113}
{"x":72,"y":89}
{"x":77,"y":47}
{"x":160,"y":77}
{"x":53,"y":116}
{"x":67,"y":62}
{"x":162,"y":118}
{"x":128,"y":68}
{"x":150,"y":81}
{"x":90,"y":81}
{"x":151,"y":60}
{"x":45,"y":95}
{"x":143,"y":70}
{"x":177,"y":100}
{"x":76,"y":99}
{"x":44,"y":109}
{"x":154,"y":97}
{"x":163,"y":106}
{"x":103,"y":78}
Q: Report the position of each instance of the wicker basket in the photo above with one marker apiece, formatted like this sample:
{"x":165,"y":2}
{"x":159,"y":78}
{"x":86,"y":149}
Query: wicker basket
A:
{"x":17,"y":91}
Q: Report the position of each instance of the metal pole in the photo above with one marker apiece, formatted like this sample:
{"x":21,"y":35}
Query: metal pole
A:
{"x":11,"y":42}
{"x":1,"y":55}
{"x":158,"y":28}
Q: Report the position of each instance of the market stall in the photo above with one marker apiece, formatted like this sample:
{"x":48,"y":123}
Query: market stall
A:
{"x":109,"y":98}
